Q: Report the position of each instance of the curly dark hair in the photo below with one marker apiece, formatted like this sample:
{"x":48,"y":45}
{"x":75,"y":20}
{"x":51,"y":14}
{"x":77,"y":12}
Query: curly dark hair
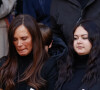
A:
{"x":66,"y":66}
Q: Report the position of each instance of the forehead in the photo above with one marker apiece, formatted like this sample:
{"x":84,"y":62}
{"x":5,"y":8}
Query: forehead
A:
{"x":21,"y":31}
{"x":80,"y":31}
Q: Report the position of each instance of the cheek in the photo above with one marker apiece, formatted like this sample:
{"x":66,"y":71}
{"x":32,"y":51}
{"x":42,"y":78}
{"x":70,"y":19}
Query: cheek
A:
{"x":15,"y":44}
{"x":29,"y":45}
{"x":89,"y":46}
{"x":74,"y":44}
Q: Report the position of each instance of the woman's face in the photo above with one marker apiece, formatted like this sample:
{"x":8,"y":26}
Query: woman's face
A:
{"x":81,"y":44}
{"x":22,"y":41}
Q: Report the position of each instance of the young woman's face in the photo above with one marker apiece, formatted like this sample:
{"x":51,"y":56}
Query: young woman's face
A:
{"x":81,"y":44}
{"x":22,"y":41}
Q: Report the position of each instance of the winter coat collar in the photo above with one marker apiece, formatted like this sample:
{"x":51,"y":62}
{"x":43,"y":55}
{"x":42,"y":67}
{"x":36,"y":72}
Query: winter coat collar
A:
{"x":78,"y":4}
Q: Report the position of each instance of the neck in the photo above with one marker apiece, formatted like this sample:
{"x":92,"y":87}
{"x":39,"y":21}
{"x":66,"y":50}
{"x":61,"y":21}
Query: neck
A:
{"x":80,"y":60}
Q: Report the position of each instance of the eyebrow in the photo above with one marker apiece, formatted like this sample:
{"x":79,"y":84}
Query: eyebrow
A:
{"x":81,"y":35}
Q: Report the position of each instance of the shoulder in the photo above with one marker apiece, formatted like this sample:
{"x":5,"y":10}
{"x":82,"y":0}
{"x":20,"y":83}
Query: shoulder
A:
{"x":57,"y":54}
{"x":50,"y":63}
{"x":49,"y":67}
{"x":49,"y":73}
{"x":58,"y":2}
{"x":95,"y":86}
{"x":2,"y":60}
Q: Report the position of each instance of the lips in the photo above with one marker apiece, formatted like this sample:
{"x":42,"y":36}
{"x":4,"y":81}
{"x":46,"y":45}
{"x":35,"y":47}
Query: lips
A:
{"x":79,"y":47}
{"x":21,"y":50}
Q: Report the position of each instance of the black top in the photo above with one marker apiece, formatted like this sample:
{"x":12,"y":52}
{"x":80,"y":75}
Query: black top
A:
{"x":48,"y":72}
{"x":79,"y":72}
{"x":23,"y":63}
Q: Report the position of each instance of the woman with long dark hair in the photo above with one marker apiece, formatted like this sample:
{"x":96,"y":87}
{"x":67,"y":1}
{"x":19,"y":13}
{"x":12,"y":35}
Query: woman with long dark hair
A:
{"x":26,"y":56}
{"x":81,"y":69}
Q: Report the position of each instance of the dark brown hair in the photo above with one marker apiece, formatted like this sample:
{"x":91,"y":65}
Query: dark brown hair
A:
{"x":46,"y":34}
{"x":32,"y":74}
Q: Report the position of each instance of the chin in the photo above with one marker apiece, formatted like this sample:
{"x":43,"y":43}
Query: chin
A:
{"x":81,"y":53}
{"x":24,"y":54}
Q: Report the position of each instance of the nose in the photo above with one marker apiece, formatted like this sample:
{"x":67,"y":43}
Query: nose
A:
{"x":19,"y":43}
{"x":79,"y":40}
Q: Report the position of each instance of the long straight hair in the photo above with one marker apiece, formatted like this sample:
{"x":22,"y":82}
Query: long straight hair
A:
{"x":32,"y":74}
{"x":66,"y":66}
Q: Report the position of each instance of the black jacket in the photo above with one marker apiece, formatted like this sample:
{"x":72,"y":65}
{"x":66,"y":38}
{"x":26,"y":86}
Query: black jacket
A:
{"x":65,"y":14}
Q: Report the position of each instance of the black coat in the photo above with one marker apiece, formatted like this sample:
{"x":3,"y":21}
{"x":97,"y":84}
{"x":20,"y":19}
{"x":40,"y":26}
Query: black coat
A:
{"x":65,"y":14}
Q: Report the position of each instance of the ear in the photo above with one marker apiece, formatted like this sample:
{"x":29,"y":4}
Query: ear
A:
{"x":51,"y":44}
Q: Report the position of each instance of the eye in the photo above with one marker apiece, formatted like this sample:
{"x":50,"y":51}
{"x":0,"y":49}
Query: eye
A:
{"x":75,"y":38}
{"x":14,"y":39}
{"x":24,"y":38}
{"x":85,"y":37}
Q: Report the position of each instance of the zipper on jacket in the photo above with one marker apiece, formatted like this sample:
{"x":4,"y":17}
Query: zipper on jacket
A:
{"x":79,"y":20}
{"x":80,"y":17}
{"x":82,"y":10}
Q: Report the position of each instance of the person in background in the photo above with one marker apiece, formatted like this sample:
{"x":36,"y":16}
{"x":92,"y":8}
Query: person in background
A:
{"x":19,"y":7}
{"x":50,"y":67}
{"x":47,"y":35}
{"x":54,"y":56}
{"x":81,"y":69}
{"x":6,"y":7}
{"x":39,"y":9}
